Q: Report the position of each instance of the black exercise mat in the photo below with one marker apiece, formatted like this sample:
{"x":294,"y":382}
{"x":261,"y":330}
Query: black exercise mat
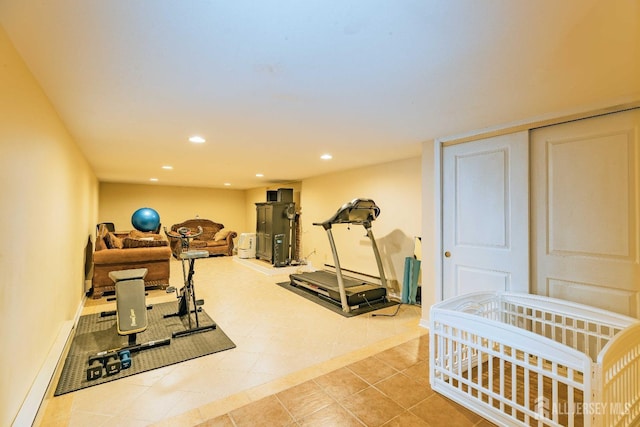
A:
{"x":312,"y":296}
{"x":94,"y":334}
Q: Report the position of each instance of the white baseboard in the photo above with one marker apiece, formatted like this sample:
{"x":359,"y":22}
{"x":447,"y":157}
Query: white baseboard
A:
{"x":29,"y":410}
{"x":268,"y":269}
{"x":424,"y":323}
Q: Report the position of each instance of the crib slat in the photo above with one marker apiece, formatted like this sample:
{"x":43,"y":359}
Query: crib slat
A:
{"x":490,"y":382}
{"x":502,"y":375}
{"x":514,"y":391}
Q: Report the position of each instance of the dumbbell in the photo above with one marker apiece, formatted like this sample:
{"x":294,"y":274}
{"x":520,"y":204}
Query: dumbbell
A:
{"x":112,"y":363}
{"x":125,"y":359}
{"x":95,"y":368}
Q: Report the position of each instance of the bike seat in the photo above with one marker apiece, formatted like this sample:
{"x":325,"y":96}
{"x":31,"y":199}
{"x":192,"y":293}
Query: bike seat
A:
{"x":192,"y":254}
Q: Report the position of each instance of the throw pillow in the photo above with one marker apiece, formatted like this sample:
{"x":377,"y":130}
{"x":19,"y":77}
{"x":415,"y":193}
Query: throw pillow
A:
{"x":112,"y":241}
{"x":130,"y":242}
{"x":100,"y":243}
{"x":221,"y":235}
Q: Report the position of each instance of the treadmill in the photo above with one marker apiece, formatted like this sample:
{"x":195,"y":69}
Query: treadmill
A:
{"x":349,"y":292}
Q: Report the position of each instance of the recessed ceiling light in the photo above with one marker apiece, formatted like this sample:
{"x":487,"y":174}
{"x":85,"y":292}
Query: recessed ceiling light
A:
{"x":196,"y":139}
{"x":227,"y":184}
{"x":326,"y":157}
{"x":167,"y":167}
{"x":259,"y":175}
{"x":153,"y":179}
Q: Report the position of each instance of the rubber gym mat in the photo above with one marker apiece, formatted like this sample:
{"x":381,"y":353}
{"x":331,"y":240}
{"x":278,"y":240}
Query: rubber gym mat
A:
{"x":94,"y":334}
{"x":311,"y":296}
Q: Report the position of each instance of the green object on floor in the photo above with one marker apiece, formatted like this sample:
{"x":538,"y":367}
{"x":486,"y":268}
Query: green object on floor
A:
{"x":410,"y":283}
{"x":415,"y":275}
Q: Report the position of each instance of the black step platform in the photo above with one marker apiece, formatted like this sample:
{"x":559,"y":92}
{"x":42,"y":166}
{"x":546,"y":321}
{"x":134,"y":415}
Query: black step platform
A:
{"x":325,"y":283}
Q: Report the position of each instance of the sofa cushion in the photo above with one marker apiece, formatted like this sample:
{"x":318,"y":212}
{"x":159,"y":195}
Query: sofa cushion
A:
{"x":132,"y":255}
{"x":112,"y":241}
{"x":197,"y":244}
{"x":208,"y":233}
{"x":136,"y":234}
{"x":221,"y":235}
{"x":145,"y":242}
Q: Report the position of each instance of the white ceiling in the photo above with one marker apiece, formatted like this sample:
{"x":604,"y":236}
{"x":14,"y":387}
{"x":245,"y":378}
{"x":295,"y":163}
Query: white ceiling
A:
{"x":273,"y":84}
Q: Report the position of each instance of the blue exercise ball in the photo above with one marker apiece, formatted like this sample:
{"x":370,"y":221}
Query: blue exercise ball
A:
{"x":145,"y":219}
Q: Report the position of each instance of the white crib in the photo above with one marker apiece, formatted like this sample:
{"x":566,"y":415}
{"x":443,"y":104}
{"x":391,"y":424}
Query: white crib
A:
{"x":527,"y":360}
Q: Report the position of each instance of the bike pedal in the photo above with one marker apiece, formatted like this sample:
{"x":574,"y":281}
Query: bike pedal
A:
{"x":199,"y":302}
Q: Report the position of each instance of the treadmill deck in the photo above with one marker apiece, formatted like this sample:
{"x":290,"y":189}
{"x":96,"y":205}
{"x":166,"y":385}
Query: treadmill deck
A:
{"x":326,"y":283}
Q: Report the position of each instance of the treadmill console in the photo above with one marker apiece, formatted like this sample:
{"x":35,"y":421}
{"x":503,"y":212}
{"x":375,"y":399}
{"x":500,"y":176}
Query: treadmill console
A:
{"x":357,"y":211}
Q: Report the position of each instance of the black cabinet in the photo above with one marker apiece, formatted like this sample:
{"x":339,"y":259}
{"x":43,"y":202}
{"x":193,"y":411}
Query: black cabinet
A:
{"x":275,"y":232}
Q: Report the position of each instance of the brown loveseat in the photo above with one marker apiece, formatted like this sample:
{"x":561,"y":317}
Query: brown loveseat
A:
{"x":123,"y":251}
{"x":215,"y":239}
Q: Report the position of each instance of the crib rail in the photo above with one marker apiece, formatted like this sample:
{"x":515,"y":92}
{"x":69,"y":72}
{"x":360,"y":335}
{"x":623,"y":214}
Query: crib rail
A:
{"x":586,"y":329}
{"x":583,"y":328}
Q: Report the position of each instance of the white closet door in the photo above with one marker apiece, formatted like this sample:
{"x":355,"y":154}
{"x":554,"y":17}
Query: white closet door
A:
{"x":586,"y":213}
{"x":485,"y":217}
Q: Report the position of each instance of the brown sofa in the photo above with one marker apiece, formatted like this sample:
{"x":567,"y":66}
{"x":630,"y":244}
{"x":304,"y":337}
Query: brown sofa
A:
{"x":215,"y":239}
{"x":123,"y":251}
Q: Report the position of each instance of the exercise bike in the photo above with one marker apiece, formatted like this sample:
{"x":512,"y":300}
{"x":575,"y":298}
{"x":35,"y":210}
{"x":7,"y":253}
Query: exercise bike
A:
{"x":187,"y":295}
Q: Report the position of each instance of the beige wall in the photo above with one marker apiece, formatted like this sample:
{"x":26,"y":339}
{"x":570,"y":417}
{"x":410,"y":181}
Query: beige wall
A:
{"x":394,"y":186}
{"x":48,"y":210}
{"x":174,"y":204}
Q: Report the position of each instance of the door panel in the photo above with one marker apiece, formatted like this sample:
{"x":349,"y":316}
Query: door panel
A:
{"x":485,"y":215}
{"x":477,"y":279}
{"x":585,"y":204}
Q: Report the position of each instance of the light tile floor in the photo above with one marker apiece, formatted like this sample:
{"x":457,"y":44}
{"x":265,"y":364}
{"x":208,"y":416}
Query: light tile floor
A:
{"x":282,"y":341}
